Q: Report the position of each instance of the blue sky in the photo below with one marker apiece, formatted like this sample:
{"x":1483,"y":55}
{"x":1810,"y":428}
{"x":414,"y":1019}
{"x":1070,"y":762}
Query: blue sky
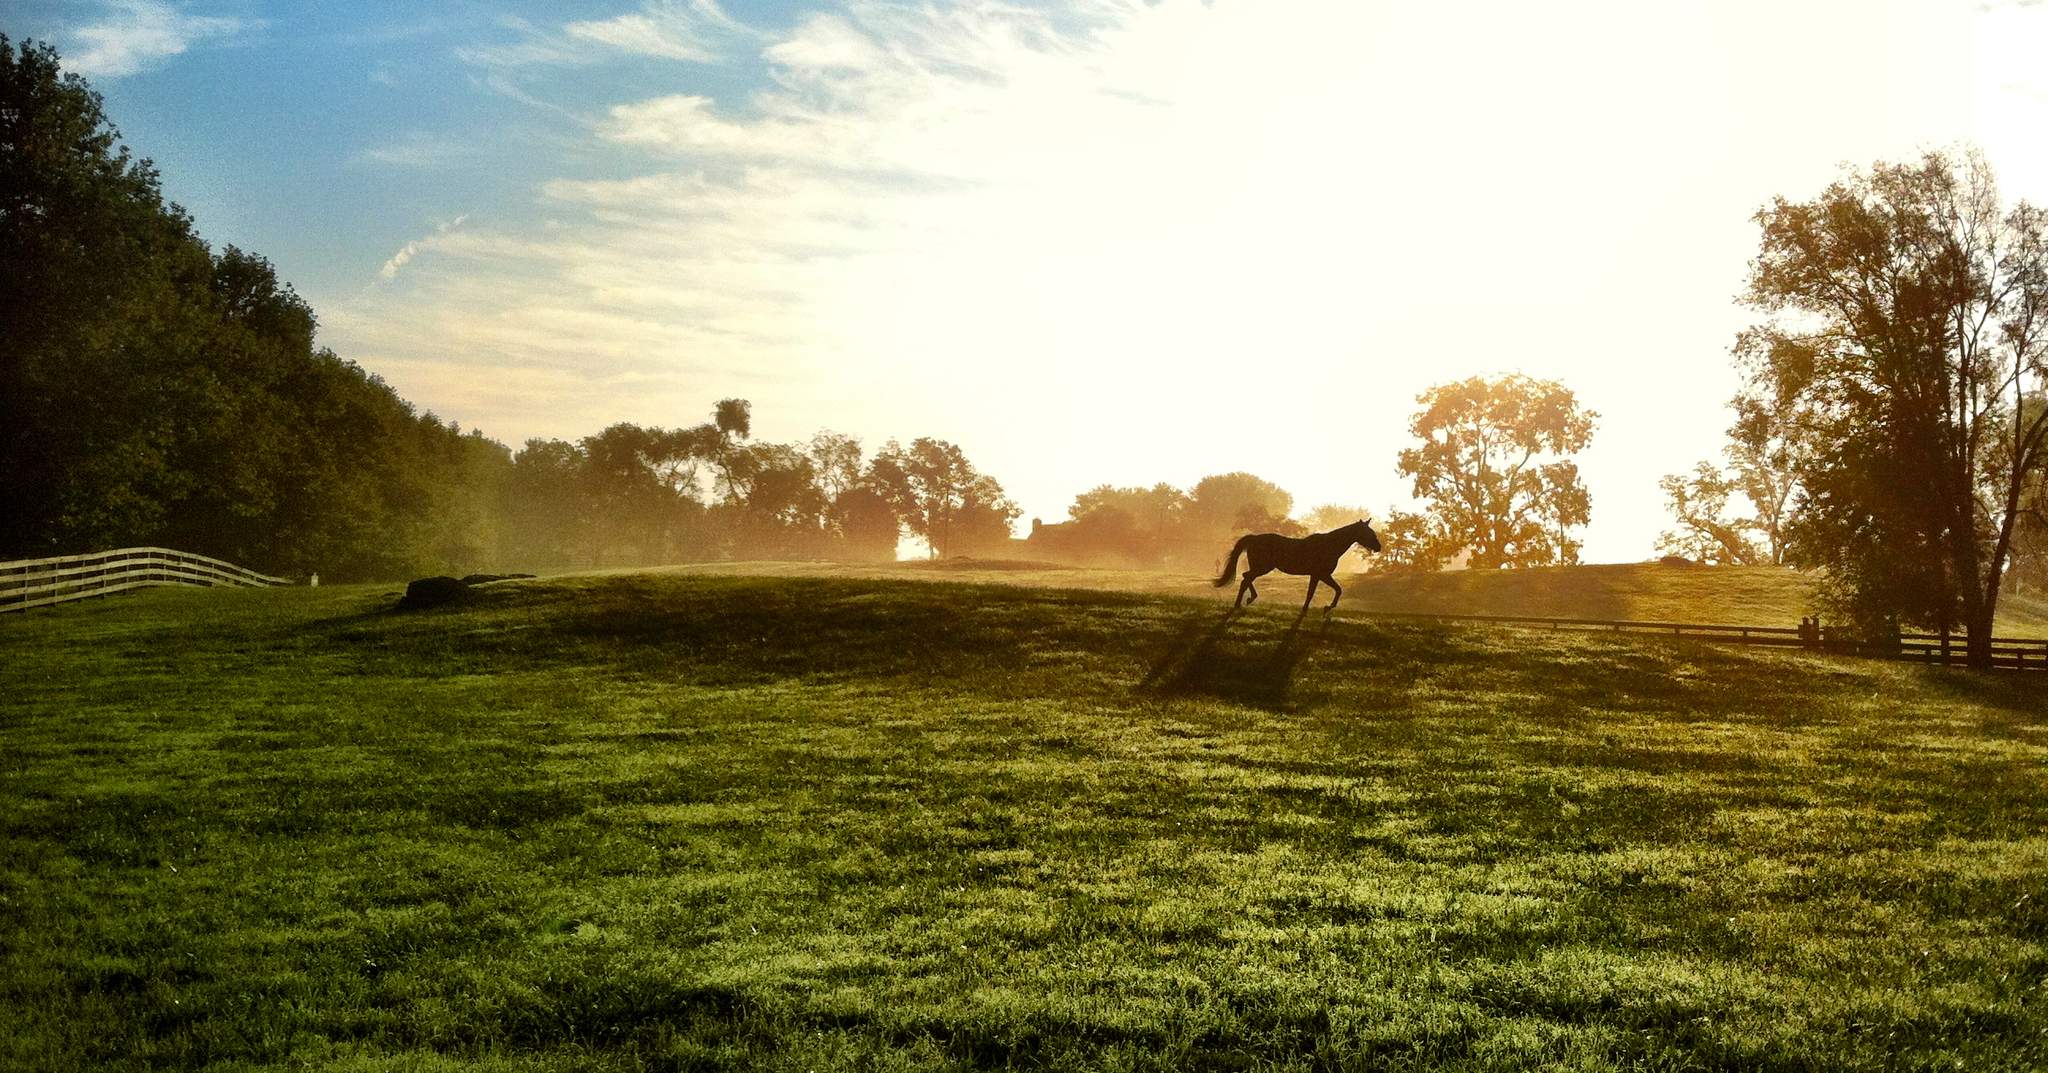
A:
{"x":1089,"y":240}
{"x":323,"y":135}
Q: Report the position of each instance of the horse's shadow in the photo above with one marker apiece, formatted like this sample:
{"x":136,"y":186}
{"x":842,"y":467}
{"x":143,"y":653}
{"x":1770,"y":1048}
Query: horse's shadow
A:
{"x":1202,"y":661}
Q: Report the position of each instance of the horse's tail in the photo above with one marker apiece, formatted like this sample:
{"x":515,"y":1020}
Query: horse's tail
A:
{"x":1230,"y":568}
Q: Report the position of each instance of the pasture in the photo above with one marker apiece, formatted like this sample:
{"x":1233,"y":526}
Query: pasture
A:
{"x":825,"y":818}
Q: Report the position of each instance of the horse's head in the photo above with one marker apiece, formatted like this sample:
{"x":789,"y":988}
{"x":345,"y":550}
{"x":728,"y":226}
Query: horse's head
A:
{"x":1364,"y":535}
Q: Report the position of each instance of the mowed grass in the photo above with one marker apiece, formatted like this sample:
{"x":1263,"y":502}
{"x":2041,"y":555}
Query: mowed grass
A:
{"x":681,"y":821}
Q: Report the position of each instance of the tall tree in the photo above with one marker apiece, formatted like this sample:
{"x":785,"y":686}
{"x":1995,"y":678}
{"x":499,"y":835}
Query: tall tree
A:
{"x":1495,"y":474}
{"x":102,"y":312}
{"x":1906,"y":312}
{"x":941,"y":497}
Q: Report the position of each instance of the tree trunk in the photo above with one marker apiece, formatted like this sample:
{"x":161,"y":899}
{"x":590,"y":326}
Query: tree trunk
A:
{"x":1980,"y":639}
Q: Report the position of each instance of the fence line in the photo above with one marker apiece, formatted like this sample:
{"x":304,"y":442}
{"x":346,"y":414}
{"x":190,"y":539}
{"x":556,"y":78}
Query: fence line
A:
{"x":2012,"y":653}
{"x":27,"y":583}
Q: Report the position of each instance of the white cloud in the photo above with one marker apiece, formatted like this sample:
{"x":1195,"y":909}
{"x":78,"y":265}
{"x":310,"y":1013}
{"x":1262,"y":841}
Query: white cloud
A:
{"x":136,"y":34}
{"x":412,"y":249}
{"x":644,"y":36}
{"x":697,"y":32}
{"x":426,"y":152}
{"x":1124,"y":241}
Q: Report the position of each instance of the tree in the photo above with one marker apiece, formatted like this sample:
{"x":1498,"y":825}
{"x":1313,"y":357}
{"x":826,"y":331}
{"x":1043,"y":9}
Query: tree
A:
{"x":868,"y":526}
{"x":1766,"y":451}
{"x":941,"y":496}
{"x":1698,"y":502}
{"x":102,"y":314}
{"x":154,"y":392}
{"x":1905,"y":317}
{"x":1224,"y":505}
{"x":1410,"y":543}
{"x":1494,"y":471}
{"x":1131,"y":526}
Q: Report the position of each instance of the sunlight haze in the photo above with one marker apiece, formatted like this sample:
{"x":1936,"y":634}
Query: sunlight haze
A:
{"x":1093,"y":242}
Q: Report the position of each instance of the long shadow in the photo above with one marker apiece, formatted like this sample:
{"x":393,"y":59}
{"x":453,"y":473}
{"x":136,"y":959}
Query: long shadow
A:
{"x":1203,"y":662}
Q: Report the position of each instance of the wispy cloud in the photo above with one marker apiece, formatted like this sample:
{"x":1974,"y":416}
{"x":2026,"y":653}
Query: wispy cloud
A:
{"x":137,"y":34}
{"x":427,"y":152}
{"x":697,"y":32}
{"x":412,"y":249}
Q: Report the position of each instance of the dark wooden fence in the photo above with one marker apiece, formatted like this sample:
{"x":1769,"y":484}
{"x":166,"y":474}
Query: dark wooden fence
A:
{"x":26,"y":583}
{"x":2011,"y":653}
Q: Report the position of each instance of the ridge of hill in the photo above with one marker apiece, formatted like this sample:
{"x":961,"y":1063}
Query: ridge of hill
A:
{"x":1643,"y":592}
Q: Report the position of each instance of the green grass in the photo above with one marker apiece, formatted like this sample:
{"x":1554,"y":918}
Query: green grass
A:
{"x":1650,"y":592}
{"x":680,"y":821}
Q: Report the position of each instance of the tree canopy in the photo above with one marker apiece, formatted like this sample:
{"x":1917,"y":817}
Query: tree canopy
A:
{"x":1494,"y":473}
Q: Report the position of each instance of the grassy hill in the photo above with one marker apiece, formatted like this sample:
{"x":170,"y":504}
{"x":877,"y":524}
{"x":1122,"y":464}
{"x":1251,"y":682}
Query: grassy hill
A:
{"x":681,"y":821}
{"x":1715,"y":595}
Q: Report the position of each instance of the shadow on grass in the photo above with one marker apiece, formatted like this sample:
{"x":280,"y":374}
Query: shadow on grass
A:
{"x":1199,"y":661}
{"x":2023,"y":693}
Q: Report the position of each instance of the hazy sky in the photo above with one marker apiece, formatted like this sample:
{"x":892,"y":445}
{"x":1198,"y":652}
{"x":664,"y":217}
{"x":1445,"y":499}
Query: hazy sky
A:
{"x":1090,"y":242}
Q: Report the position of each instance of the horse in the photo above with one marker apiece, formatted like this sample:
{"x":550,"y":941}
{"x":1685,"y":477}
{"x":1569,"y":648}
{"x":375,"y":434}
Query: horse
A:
{"x":1315,"y":555}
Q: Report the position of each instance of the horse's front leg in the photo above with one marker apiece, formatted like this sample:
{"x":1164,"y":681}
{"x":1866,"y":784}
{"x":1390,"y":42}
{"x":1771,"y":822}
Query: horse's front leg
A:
{"x":1311,"y":595}
{"x":1339,"y":589}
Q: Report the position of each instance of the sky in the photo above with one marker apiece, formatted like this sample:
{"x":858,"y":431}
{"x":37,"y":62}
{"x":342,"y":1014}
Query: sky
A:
{"x":1090,"y":242}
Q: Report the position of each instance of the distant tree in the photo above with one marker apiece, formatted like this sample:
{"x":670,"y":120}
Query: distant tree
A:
{"x":631,"y":509}
{"x":1698,"y":503}
{"x":1767,"y":450}
{"x":545,"y":505}
{"x":1410,"y":543}
{"x":1765,"y":453}
{"x":941,"y":496}
{"x":1907,"y":323}
{"x":836,"y":459}
{"x":1136,"y":526}
{"x":1495,"y":474}
{"x":1227,"y":504}
{"x":868,"y":526}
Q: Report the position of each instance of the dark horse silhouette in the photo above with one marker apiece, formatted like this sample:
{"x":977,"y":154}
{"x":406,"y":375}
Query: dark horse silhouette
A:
{"x":1315,"y":555}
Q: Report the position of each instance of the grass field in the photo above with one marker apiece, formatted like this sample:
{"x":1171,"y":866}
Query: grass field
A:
{"x":1710,"y":595}
{"x":687,"y":820}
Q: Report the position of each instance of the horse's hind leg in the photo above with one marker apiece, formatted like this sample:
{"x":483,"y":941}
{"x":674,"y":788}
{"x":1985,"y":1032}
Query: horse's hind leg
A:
{"x":1250,"y":577}
{"x":1245,"y":587}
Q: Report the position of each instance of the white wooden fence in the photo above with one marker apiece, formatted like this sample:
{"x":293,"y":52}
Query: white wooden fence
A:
{"x":26,"y":583}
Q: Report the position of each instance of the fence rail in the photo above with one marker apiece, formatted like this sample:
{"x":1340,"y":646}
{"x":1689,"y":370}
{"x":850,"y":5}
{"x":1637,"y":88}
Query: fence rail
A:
{"x":27,"y":583}
{"x":2011,"y":653}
